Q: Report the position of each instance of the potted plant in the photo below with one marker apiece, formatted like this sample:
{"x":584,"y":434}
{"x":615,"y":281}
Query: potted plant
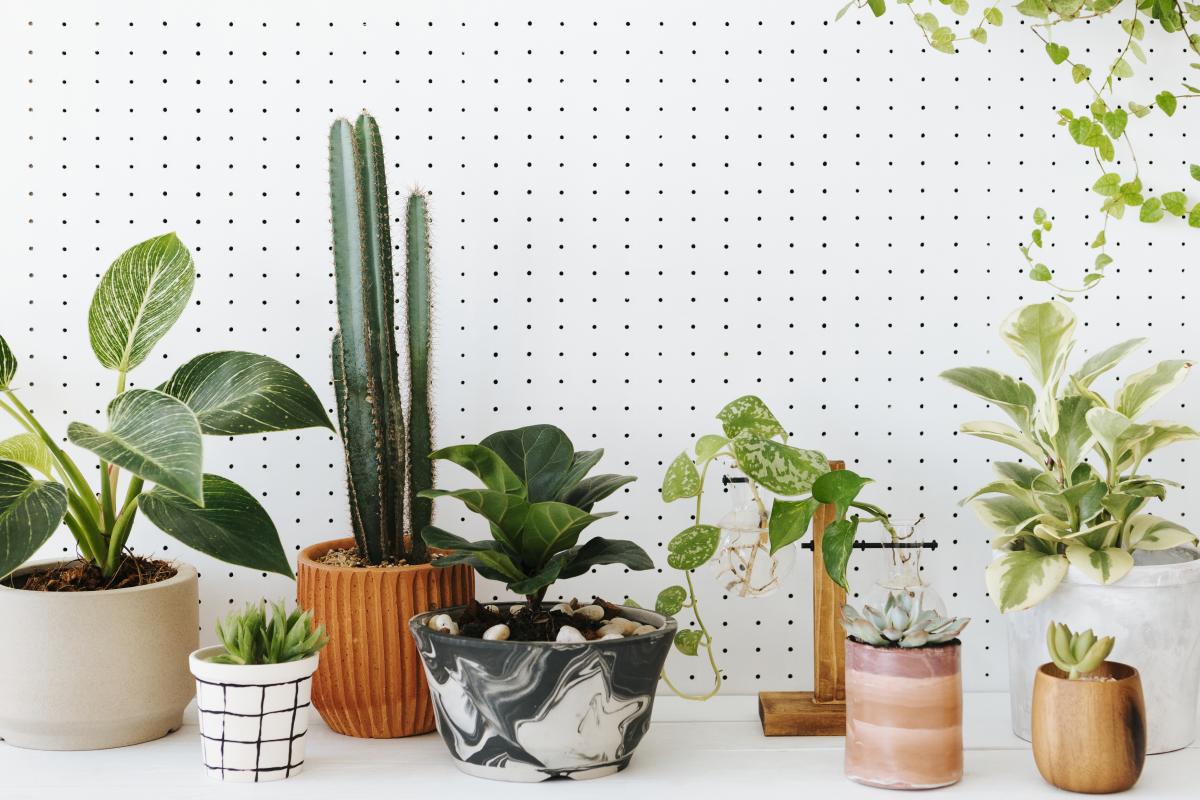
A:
{"x":1089,"y":721}
{"x":363,"y":589}
{"x":903,"y":695}
{"x":252,"y":693}
{"x":1073,"y":541}
{"x":97,"y":645}
{"x":528,"y":692}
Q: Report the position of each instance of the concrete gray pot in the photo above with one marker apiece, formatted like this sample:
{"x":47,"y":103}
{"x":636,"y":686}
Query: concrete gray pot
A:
{"x":90,"y":670}
{"x":535,"y":711}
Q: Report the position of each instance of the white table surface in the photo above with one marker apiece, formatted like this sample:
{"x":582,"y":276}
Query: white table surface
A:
{"x":710,"y":750}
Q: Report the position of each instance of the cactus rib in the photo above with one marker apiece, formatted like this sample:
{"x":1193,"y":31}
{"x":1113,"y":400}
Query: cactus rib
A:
{"x":420,"y":414}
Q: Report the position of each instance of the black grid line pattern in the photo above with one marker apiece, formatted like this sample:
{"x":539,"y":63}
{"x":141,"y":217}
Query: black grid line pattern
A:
{"x":257,"y":732}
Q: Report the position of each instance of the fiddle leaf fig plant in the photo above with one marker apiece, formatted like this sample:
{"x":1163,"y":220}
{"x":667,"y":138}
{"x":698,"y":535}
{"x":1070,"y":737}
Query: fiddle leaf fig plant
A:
{"x":753,"y":441}
{"x":537,"y":499}
{"x":154,"y":435}
{"x":1078,"y":499}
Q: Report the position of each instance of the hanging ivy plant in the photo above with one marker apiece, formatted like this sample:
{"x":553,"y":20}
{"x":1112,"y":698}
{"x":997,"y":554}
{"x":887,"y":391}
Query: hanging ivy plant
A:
{"x":1101,"y":125}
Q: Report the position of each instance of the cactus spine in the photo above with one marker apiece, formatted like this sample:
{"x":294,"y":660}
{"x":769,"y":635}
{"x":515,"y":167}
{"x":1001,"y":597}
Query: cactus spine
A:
{"x":365,"y":362}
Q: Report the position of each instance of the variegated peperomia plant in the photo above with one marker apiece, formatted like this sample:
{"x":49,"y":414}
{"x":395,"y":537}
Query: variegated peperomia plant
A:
{"x":155,"y":435}
{"x":1078,"y":499}
{"x":755,"y":443}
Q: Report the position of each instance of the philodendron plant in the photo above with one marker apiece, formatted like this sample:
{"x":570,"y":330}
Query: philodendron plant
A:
{"x":754,"y":442}
{"x":153,"y":434}
{"x":1059,"y":509}
{"x":537,"y":500}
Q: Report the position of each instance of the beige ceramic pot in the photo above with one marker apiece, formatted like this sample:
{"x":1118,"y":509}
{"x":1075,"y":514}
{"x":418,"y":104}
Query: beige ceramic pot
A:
{"x":89,"y":670}
{"x":903,"y":715}
{"x":371,"y":682}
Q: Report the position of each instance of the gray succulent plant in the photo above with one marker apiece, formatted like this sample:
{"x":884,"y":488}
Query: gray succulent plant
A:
{"x":902,"y":623}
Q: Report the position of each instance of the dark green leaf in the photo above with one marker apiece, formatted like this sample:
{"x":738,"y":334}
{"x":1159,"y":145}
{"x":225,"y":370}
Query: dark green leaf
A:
{"x":231,"y":526}
{"x":836,"y":546}
{"x":599,"y":551}
{"x":782,"y":469}
{"x":151,"y":434}
{"x":687,"y":642}
{"x":8,"y":364}
{"x":485,"y":465}
{"x":790,"y":520}
{"x":444,"y":540}
{"x":592,"y":490}
{"x":550,"y":527}
{"x":838,"y":488}
{"x":30,"y":512}
{"x":233,"y":393}
{"x":581,"y":464}
{"x":506,"y":512}
{"x":539,"y":580}
{"x":491,"y":564}
{"x":670,"y":600}
{"x":693,"y":547}
{"x":540,"y":455}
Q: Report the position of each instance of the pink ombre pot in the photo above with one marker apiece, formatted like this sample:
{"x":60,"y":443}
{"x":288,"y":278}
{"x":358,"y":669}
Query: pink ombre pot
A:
{"x":903,"y":716}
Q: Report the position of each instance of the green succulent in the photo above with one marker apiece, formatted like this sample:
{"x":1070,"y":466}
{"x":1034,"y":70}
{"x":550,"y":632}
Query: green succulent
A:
{"x":253,"y":636}
{"x":1077,"y":654}
{"x":902,"y":623}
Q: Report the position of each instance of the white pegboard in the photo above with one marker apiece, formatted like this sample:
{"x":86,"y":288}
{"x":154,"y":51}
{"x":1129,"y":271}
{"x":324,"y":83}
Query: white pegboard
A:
{"x":641,"y":211}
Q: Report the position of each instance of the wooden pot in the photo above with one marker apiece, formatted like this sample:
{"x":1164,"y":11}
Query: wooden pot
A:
{"x":904,"y":715}
{"x":370,"y":682}
{"x":1089,"y":735}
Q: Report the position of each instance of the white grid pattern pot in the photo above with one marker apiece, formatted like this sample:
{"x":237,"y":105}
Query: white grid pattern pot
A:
{"x":253,"y":719}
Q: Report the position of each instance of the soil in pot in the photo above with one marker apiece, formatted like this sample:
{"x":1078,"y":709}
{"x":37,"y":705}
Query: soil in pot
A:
{"x":84,"y":576}
{"x":1089,"y":735}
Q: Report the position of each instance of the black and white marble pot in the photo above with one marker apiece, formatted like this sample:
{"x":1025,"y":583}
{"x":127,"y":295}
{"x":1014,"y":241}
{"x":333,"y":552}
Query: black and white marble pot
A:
{"x":532,"y":711}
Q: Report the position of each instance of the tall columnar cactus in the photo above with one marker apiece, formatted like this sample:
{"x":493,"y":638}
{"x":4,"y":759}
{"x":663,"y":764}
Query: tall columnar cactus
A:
{"x":378,"y":448}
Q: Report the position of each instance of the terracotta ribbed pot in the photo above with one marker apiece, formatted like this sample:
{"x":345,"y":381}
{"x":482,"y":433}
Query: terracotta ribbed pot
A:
{"x":1089,"y":735}
{"x":370,"y":682}
{"x":903,"y":715}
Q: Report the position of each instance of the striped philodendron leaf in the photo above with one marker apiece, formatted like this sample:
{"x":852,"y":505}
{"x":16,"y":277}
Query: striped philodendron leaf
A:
{"x":233,"y":393}
{"x":151,"y":434}
{"x":8,"y":364}
{"x":28,"y":448}
{"x":232,"y":526}
{"x":30,"y":511}
{"x":139,"y":298}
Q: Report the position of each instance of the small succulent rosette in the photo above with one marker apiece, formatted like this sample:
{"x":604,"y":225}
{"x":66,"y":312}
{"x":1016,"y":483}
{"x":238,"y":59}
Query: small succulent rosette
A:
{"x":253,"y":718}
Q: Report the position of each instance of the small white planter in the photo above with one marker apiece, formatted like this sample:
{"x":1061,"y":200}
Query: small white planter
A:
{"x":1154,"y":612}
{"x":253,"y":719}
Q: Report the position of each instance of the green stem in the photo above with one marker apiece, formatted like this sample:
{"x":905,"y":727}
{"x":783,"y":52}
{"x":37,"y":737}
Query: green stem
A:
{"x":81,"y":537}
{"x":70,"y":471}
{"x":124,"y":523}
{"x":106,"y":496}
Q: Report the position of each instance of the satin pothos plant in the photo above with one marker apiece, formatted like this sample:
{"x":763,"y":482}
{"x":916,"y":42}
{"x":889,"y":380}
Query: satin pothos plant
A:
{"x":754,"y":442}
{"x":153,"y":445}
{"x":1077,"y":497}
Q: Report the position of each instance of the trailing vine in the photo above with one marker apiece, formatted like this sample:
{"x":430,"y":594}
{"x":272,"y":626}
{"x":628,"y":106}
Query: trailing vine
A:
{"x":1100,"y":125}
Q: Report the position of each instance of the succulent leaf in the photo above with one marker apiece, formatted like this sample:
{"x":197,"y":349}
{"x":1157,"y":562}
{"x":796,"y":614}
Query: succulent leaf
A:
{"x":902,"y":622}
{"x":1077,"y":654}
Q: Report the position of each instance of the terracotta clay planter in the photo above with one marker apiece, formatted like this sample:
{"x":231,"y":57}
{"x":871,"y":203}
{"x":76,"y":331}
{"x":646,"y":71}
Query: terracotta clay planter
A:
{"x":903,"y":715}
{"x":370,"y":682}
{"x":1089,"y":735}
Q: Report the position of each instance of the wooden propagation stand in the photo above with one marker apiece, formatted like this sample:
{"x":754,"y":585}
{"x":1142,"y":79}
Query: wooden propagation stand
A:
{"x":821,"y":712}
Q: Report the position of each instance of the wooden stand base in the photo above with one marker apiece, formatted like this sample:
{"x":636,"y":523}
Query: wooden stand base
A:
{"x":795,"y":714}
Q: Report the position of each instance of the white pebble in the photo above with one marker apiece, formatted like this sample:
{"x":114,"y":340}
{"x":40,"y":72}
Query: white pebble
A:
{"x":640,"y":629}
{"x":492,"y":609}
{"x":608,"y":636}
{"x":610,"y":630}
{"x":564,"y":608}
{"x":625,"y":626}
{"x":497,"y":633}
{"x":593,"y":613}
{"x":568,"y":634}
{"x":514,"y":610}
{"x":444,"y":624}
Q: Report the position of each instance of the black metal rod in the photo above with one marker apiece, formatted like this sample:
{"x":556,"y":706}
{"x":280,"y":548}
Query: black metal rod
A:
{"x":881,"y":545}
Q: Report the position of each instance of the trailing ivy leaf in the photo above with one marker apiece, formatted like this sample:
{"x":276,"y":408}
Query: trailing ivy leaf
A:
{"x":1175,"y":203}
{"x":1122,"y":69}
{"x":877,"y":7}
{"x":670,"y":600}
{"x":1040,"y":272}
{"x":231,"y":526}
{"x":1102,"y":261}
{"x":1058,"y":53}
{"x":928,"y":21}
{"x":484,"y":464}
{"x":838,"y":488}
{"x":1080,"y":129}
{"x":979,"y":35}
{"x":30,"y":512}
{"x":789,"y":521}
{"x":139,"y":298}
{"x":151,"y":434}
{"x":8,"y":365}
{"x":836,"y":546}
{"x":1194,"y":216}
{"x":1152,"y":210}
{"x":750,"y":413}
{"x":1115,"y":122}
{"x":1138,"y":109}
{"x":959,"y":7}
{"x":1194,"y":169}
{"x":1108,"y":184}
{"x":28,"y":448}
{"x":842,"y":11}
{"x":782,"y":469}
{"x":688,"y":642}
{"x":540,"y":455}
{"x":1080,"y":73}
{"x":1100,"y":240}
{"x":693,"y":547}
{"x":1021,"y":579}
{"x":993,"y":16}
{"x":681,"y":480}
{"x":235,"y":393}
{"x":709,"y":445}
{"x":942,"y":40}
{"x":1166,"y":101}
{"x":1033,"y":8}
